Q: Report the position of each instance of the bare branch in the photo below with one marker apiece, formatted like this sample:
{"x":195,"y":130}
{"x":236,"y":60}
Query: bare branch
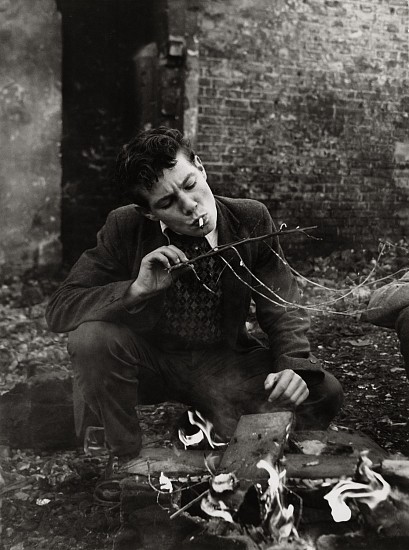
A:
{"x":189,"y":504}
{"x":229,"y":246}
{"x":284,"y":303}
{"x":347,"y":291}
{"x":268,"y":293}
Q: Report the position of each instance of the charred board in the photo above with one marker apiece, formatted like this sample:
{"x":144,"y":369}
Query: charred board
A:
{"x":257,"y":436}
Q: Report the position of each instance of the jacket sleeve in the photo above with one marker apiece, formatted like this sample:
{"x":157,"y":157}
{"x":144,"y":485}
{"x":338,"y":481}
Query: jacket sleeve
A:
{"x":387,"y":302}
{"x":94,"y":288}
{"x":279,"y":314}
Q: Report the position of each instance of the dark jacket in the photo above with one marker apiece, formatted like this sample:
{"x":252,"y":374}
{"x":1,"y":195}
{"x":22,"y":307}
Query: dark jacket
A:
{"x":94,"y":289}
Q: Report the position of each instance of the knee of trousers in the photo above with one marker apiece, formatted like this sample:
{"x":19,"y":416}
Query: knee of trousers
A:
{"x":402,"y":323}
{"x":402,"y":330}
{"x":333,"y":394}
{"x":327,"y":397}
{"x":94,"y":341}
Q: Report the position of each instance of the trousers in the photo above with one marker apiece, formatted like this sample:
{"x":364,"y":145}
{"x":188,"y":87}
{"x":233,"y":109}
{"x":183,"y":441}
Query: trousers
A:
{"x":116,"y":370}
{"x":402,"y":330}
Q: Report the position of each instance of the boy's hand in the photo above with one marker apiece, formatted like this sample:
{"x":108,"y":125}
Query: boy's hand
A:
{"x":154,"y":273}
{"x":288,"y":388}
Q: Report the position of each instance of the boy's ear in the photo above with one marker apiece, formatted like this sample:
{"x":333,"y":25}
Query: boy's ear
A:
{"x":199,"y":165}
{"x":147,"y":213}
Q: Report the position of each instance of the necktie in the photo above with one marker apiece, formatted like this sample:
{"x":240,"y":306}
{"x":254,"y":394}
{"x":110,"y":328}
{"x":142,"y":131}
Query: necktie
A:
{"x":193,"y":247}
{"x":192,"y":311}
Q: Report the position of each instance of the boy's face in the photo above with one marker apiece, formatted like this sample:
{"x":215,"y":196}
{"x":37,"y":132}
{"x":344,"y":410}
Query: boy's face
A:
{"x":181,"y":197}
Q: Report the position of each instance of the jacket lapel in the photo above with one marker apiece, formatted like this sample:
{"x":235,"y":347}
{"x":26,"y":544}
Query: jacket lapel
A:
{"x":231,"y":230}
{"x":153,"y":238}
{"x":150,"y":237}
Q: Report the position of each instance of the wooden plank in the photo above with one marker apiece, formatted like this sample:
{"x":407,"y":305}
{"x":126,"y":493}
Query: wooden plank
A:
{"x":257,"y":436}
{"x":337,"y":443}
{"x":191,"y":463}
{"x":319,"y":467}
{"x":153,"y":461}
{"x":173,"y":463}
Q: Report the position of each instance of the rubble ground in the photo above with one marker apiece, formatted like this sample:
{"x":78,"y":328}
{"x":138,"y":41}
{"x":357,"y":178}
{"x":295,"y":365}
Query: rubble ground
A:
{"x":47,"y":499}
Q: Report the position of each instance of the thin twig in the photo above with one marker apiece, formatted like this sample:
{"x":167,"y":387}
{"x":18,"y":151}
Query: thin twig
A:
{"x":294,"y":305}
{"x":347,"y":291}
{"x":228,"y":246}
{"x":334,"y":300}
{"x":189,"y":504}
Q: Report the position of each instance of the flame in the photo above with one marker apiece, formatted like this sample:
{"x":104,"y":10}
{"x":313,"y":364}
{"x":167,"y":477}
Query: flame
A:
{"x":165,"y":483}
{"x":280,"y":519}
{"x":189,"y":440}
{"x":212,"y":504}
{"x":205,"y":428}
{"x":371,"y":493}
{"x":224,"y":482}
{"x":215,"y":507}
{"x":277,"y":519}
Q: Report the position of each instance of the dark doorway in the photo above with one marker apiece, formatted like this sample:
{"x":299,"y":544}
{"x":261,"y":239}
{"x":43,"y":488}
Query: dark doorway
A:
{"x":100,"y":107}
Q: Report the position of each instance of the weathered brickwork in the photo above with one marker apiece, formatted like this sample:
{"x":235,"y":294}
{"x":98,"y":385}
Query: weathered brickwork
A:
{"x":305,"y":106}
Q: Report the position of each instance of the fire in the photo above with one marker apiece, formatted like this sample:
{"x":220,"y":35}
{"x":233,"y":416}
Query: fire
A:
{"x":165,"y":483}
{"x":215,"y":508}
{"x":224,"y":482}
{"x":278,"y":517}
{"x":277,"y":520}
{"x":205,"y":429}
{"x":212,"y":502}
{"x":371,"y":493}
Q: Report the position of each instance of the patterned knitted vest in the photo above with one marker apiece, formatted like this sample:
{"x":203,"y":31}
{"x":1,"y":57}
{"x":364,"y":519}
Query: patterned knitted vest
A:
{"x":192,"y":315}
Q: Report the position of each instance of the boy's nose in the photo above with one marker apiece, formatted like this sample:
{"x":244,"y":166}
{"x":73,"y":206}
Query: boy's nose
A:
{"x":188,"y":205}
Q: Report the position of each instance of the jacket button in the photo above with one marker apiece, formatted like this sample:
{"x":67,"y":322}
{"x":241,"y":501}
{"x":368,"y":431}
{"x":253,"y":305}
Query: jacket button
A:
{"x":313,"y":360}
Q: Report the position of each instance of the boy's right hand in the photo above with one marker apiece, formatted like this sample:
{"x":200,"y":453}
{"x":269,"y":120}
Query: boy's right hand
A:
{"x":154,"y":275}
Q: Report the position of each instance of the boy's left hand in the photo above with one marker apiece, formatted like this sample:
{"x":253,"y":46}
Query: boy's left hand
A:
{"x":288,"y":388}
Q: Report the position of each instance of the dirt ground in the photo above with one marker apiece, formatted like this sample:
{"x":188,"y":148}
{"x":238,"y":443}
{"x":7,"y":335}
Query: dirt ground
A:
{"x":48,"y":501}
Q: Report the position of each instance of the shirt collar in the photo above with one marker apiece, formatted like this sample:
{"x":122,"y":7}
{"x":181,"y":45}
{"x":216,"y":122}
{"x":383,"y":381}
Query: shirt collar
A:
{"x":212,"y":237}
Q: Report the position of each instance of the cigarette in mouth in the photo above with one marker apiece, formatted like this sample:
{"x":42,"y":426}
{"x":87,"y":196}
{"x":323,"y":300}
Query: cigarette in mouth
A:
{"x":201,"y":222}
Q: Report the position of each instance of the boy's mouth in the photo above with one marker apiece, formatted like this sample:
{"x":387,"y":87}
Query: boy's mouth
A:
{"x":200,"y":222}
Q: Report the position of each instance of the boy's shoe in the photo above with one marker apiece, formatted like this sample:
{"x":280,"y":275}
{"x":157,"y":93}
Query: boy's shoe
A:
{"x":108,"y":492}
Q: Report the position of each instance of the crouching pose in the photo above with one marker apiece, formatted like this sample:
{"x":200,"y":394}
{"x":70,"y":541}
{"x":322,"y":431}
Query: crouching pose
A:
{"x":146,"y":328}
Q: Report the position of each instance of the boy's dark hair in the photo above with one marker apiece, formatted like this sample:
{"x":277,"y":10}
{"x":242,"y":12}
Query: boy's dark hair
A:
{"x":141,"y":162}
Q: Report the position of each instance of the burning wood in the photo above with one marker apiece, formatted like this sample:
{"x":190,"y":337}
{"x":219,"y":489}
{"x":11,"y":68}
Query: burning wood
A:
{"x":213,"y":503}
{"x":215,"y":507}
{"x":372,"y":492}
{"x":248,"y":492}
{"x":224,"y":482}
{"x":274,"y":521}
{"x":204,"y":430}
{"x":278,"y":519}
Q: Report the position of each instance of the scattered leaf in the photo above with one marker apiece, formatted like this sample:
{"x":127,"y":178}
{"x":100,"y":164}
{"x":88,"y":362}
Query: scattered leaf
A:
{"x":359,"y":342}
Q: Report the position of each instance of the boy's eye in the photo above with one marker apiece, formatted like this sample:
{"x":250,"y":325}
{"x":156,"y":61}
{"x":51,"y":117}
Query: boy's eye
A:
{"x":190,"y":185}
{"x":165,"y":204}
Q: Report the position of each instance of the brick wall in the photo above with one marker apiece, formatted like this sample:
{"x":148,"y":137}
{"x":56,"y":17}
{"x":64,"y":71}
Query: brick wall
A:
{"x":305,"y":106}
